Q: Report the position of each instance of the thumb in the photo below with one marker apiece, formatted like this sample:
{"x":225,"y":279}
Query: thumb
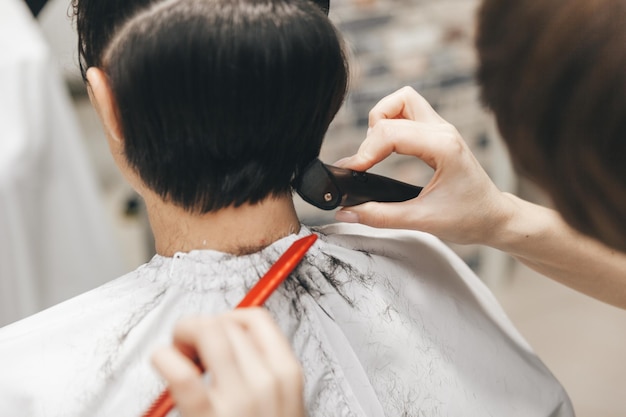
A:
{"x":357,"y":162}
{"x":381,"y":215}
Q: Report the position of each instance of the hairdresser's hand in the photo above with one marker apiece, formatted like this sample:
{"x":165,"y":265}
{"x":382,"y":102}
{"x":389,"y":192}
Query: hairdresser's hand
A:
{"x":253,"y":372}
{"x":460,"y":203}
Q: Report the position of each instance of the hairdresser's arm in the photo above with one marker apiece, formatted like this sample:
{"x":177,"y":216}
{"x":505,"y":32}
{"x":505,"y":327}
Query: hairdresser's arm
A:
{"x":462,"y":205}
{"x":539,"y":238}
{"x":253,"y":372}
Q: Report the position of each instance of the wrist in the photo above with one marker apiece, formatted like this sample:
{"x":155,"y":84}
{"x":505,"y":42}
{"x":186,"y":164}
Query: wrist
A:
{"x":517,"y":223}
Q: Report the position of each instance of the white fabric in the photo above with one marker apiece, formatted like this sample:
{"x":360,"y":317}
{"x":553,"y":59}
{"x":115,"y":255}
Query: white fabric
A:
{"x":385,"y":323}
{"x":54,"y":240}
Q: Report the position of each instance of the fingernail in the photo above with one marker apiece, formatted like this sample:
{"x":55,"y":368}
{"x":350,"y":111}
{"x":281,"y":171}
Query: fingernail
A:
{"x":347,"y":216}
{"x":341,"y":162}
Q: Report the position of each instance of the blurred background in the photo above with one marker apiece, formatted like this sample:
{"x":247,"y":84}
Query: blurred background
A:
{"x":79,"y":217}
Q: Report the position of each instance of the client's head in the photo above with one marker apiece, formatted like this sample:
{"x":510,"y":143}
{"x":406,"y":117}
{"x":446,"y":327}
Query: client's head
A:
{"x":553,"y":72}
{"x":97,"y":20}
{"x":220,"y":103}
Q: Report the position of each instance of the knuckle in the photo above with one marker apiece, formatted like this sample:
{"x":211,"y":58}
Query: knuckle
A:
{"x":379,"y":217}
{"x":253,"y":316}
{"x":451,"y":140}
{"x":385,"y":129}
{"x":199,"y":405}
{"x":290,"y":373}
{"x":385,"y":223}
{"x":187,"y":323}
{"x":230,"y":406}
{"x":408,"y":90}
{"x":184,"y":383}
{"x":261,"y":313}
{"x":373,"y":114}
{"x":196,"y":322}
{"x":266,"y":385}
{"x":368,"y":150}
{"x":207,"y":325}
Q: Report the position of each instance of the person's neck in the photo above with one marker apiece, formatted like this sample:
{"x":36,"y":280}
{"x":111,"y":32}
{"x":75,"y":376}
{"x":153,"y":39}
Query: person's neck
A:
{"x":237,"y":230}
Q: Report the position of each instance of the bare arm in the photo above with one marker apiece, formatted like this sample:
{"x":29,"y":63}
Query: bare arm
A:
{"x":539,"y":238}
{"x":462,"y":205}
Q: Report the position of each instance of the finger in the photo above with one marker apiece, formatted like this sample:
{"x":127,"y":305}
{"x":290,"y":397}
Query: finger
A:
{"x":260,"y":388}
{"x":184,"y":381}
{"x":382,"y":215}
{"x":405,"y":103}
{"x":213,"y":346}
{"x":270,"y":341}
{"x":426,"y":141}
{"x":275,"y":351}
{"x":265,"y":332}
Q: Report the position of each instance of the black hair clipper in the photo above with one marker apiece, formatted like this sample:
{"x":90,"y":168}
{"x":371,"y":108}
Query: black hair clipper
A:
{"x":328,"y":187}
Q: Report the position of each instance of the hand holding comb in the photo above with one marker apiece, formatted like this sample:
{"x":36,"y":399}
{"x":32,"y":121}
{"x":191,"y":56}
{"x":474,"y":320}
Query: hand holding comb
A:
{"x":256,"y":297}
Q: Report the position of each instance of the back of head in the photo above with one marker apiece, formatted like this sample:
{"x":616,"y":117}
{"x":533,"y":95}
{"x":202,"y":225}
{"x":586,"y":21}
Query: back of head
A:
{"x":98,"y":20}
{"x":223,"y":102}
{"x":554,"y":74}
{"x":96,"y":23}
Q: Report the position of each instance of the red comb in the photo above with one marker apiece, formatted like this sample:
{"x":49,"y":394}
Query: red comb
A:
{"x":256,"y":297}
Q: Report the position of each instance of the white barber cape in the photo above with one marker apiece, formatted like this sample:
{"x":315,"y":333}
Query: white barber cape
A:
{"x":385,"y":323}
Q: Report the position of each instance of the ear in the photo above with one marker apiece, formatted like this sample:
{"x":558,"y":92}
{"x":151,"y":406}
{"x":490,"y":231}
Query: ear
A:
{"x":103,"y":101}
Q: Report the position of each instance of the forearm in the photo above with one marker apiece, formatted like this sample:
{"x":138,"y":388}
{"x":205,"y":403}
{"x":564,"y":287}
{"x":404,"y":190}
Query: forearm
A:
{"x":461,"y":204}
{"x":539,"y":238}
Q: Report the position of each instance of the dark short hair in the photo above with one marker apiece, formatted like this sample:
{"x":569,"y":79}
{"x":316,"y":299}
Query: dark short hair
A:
{"x":97,"y":21}
{"x":223,"y":102}
{"x":554,"y":74}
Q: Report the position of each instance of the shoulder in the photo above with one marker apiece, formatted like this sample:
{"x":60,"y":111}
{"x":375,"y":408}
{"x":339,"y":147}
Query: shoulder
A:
{"x":76,"y":309}
{"x":57,"y":331}
{"x":418,"y":255}
{"x":45,"y":357}
{"x":358,"y":234}
{"x":397,"y":244}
